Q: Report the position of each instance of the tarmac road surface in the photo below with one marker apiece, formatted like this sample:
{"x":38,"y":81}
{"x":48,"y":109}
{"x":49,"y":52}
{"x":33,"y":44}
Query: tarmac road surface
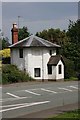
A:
{"x":26,"y":99}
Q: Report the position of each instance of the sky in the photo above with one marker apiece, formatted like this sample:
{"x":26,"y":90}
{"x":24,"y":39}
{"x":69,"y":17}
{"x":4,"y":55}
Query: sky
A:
{"x":38,"y":16}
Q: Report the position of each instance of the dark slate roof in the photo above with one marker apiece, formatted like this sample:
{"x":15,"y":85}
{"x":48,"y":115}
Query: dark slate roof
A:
{"x":55,"y":59}
{"x":34,"y":41}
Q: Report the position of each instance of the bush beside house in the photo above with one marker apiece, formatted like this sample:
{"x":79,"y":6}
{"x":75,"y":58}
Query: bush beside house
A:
{"x":69,"y":69}
{"x":11,"y":74}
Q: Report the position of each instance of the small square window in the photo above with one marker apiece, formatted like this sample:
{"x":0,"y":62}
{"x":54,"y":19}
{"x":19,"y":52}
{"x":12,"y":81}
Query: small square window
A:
{"x":59,"y":69}
{"x":37,"y":72}
{"x":21,"y":53}
{"x":50,"y":52}
{"x":49,"y":69}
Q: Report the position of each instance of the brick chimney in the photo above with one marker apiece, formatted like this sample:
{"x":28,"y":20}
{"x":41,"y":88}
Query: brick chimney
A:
{"x":14,"y":33}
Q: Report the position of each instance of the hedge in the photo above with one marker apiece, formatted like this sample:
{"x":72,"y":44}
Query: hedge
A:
{"x":11,"y":74}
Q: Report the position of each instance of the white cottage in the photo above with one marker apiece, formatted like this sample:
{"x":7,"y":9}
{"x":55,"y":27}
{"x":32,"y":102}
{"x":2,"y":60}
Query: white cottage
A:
{"x":37,"y":57}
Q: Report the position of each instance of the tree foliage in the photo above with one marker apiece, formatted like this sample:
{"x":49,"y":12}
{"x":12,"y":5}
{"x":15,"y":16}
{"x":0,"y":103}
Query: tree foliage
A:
{"x":23,"y":33}
{"x":5,"y":43}
{"x":74,"y":48}
{"x":69,"y":41}
{"x":12,"y":74}
{"x":5,"y":53}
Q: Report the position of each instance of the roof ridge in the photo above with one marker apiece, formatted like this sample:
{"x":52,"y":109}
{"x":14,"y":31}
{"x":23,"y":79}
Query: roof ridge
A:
{"x":39,"y":40}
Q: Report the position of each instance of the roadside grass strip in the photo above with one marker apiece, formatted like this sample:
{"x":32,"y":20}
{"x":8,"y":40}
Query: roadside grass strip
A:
{"x":22,"y":106}
{"x":46,"y":90}
{"x":32,"y":92}
{"x":71,"y":115}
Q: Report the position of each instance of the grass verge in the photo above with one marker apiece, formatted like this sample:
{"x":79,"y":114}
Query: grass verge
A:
{"x":71,"y":79}
{"x":71,"y":115}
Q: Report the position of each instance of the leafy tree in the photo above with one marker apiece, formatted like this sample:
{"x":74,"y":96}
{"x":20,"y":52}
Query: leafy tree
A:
{"x":53,"y":35}
{"x":23,"y":33}
{"x":0,"y":44}
{"x":74,"y":48}
{"x":74,"y":31}
{"x":69,"y":41}
{"x":5,"y":53}
{"x":5,"y":43}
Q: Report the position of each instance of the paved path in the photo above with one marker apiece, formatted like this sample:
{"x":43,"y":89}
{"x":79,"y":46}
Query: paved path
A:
{"x":29,"y":98}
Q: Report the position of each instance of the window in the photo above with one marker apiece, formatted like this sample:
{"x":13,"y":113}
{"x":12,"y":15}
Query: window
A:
{"x":37,"y":72}
{"x":50,"y":52}
{"x":59,"y":68}
{"x":21,"y":53}
{"x":49,"y":69}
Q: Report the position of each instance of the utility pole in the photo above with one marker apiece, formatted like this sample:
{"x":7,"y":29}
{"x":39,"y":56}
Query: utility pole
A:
{"x":18,"y":21}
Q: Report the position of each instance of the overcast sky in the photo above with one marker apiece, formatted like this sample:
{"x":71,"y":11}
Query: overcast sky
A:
{"x":38,"y":15}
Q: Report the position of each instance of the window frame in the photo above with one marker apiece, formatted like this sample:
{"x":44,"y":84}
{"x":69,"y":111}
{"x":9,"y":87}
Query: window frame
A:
{"x":50,"y":69}
{"x":21,"y":53}
{"x":50,"y":52}
{"x":60,"y":69}
{"x":37,"y":72}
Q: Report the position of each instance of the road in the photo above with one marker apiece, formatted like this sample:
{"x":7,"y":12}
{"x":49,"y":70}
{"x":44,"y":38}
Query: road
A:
{"x":27,"y":98}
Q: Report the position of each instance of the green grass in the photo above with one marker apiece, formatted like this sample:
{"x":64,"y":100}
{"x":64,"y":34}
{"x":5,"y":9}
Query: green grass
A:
{"x":71,"y":79}
{"x":71,"y":115}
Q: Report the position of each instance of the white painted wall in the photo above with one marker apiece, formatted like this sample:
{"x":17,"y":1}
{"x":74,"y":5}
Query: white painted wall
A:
{"x":36,"y":58}
{"x":16,"y":60}
{"x":53,"y":75}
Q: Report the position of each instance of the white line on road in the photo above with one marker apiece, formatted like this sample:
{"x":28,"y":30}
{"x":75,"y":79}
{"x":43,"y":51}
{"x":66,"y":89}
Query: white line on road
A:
{"x":31,"y":92}
{"x":13,"y":105}
{"x":65,"y":89}
{"x":73,"y":87}
{"x":24,"y":105}
{"x":12,"y":99}
{"x":48,"y":90}
{"x":12,"y":95}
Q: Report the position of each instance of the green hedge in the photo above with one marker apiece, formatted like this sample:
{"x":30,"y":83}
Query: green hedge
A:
{"x":11,"y":74}
{"x":69,"y":69}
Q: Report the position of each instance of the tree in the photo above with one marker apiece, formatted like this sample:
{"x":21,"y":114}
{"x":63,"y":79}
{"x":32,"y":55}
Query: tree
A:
{"x":23,"y":33}
{"x":5,"y":43}
{"x":69,"y":42}
{"x":53,"y":35}
{"x":74,"y":48}
{"x":74,"y":31}
{"x":5,"y":53}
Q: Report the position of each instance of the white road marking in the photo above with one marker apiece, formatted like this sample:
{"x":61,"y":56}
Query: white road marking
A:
{"x":48,"y":90}
{"x":65,"y":89}
{"x":73,"y":87}
{"x":13,"y":95}
{"x":12,"y":99}
{"x":24,"y":105}
{"x":31,"y":92}
{"x":13,"y":105}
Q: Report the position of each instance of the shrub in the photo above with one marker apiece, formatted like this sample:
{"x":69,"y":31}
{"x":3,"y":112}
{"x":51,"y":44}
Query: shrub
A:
{"x":69,"y":69}
{"x":5,"y":53}
{"x":6,"y":60}
{"x":11,"y":74}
